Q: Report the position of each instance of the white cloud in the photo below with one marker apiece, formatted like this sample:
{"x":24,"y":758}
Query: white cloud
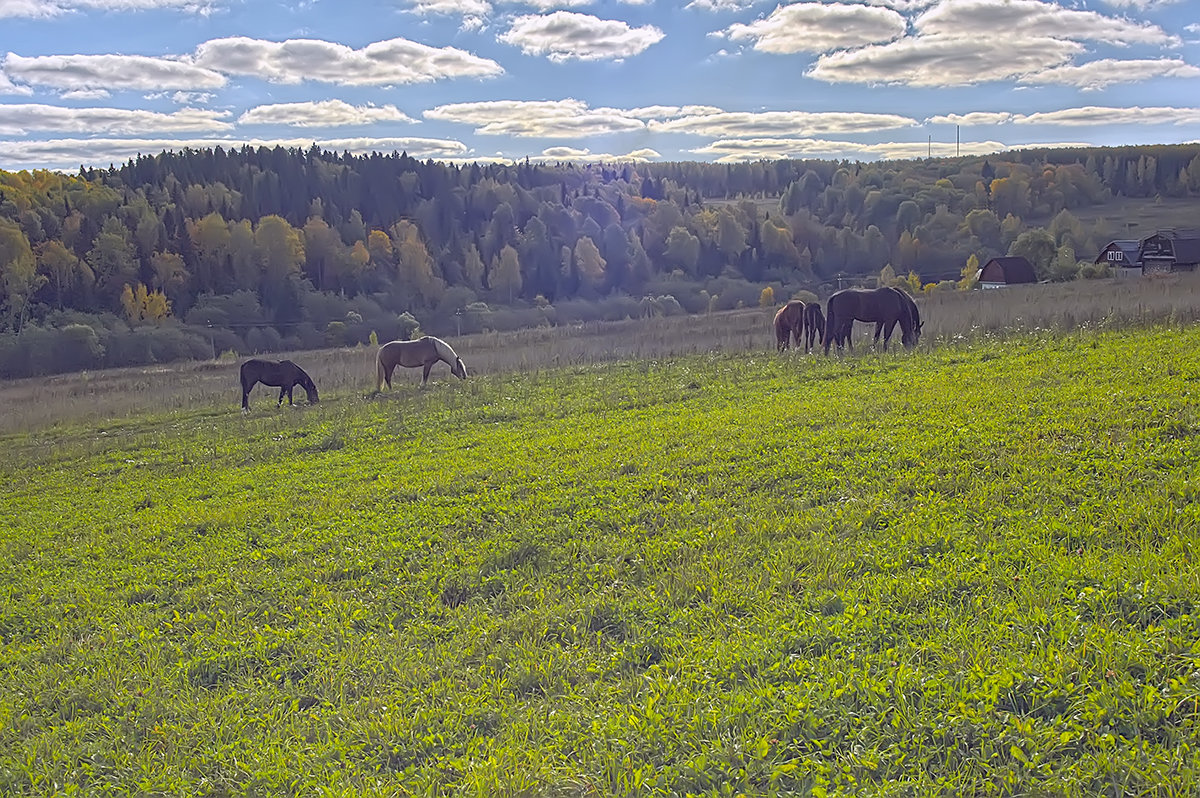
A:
{"x":1108,"y":71}
{"x":394,"y":61}
{"x":48,"y":9}
{"x":971,"y":119}
{"x":19,"y":120}
{"x":191,"y":97}
{"x":86,"y":94}
{"x":565,"y":35}
{"x":550,"y":5}
{"x":466,"y":8}
{"x":1032,"y":19}
{"x":818,"y":28}
{"x":767,"y":123}
{"x":1140,"y":5}
{"x":8,"y":87}
{"x":720,"y":5}
{"x":113,"y":72}
{"x":68,"y":154}
{"x":944,"y":61}
{"x":1101,"y":115}
{"x":738,"y":150}
{"x":587,"y":156}
{"x":325,"y":113}
{"x":668,"y":111}
{"x":537,"y":119}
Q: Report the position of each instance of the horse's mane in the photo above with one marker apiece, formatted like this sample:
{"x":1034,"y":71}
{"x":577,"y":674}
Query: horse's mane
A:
{"x":443,"y":349}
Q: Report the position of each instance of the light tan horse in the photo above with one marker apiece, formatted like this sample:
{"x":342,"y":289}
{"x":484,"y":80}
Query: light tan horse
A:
{"x":424,"y":351}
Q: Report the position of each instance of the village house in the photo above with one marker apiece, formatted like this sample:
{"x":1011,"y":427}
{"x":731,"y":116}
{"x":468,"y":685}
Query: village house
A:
{"x":1122,"y":257}
{"x":1170,"y":251}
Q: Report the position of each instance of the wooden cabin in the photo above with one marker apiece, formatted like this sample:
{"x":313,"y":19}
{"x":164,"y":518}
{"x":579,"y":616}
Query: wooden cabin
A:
{"x":1122,"y":257}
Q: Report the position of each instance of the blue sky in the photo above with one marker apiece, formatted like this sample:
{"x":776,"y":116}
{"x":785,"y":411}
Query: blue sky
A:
{"x":95,"y":82}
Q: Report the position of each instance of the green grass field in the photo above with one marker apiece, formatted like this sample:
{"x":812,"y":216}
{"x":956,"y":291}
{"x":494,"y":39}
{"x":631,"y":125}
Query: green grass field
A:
{"x":965,"y":571}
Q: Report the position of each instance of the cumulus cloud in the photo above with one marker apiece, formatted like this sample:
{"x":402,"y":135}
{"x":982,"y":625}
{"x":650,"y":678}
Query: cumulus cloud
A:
{"x":956,"y":42}
{"x":971,"y":119}
{"x":566,"y":35}
{"x":86,"y":94}
{"x":68,"y":154}
{"x":48,"y":9}
{"x":1102,"y":115}
{"x":393,"y":61}
{"x":1140,"y":5}
{"x":587,"y":156}
{"x":767,"y":123}
{"x":1108,"y":71}
{"x":113,"y":72}
{"x":739,"y":150}
{"x":324,"y":113}
{"x":944,"y":61}
{"x":818,"y":28}
{"x":537,"y":119}
{"x":19,"y":120}
{"x":8,"y":87}
{"x":1022,"y":19}
{"x":720,"y":5}
{"x":465,"y":8}
{"x":667,"y":111}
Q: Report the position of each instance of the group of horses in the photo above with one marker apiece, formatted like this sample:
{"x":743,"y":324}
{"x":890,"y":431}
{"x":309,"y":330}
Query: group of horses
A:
{"x":797,"y":320}
{"x":286,"y":375}
{"x":886,"y":307}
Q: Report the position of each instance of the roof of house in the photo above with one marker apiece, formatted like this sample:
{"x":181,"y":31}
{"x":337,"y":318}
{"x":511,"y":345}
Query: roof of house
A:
{"x":1015,"y":269}
{"x":1131,"y":249}
{"x":1184,"y":243}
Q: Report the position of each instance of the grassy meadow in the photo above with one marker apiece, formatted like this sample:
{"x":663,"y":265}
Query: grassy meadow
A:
{"x":967,"y":570}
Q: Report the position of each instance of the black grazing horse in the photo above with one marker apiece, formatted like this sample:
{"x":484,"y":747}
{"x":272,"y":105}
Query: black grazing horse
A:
{"x":283,"y":374}
{"x":913,"y":313}
{"x":814,"y":325}
{"x":885,"y":306}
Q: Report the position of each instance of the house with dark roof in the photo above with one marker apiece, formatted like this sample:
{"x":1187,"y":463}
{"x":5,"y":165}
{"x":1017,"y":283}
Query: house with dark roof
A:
{"x":1121,"y":256}
{"x":999,"y":272}
{"x":1171,"y":251}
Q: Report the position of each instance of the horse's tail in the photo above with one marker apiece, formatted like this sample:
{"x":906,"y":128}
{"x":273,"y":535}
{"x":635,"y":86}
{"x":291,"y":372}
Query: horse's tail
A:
{"x":380,"y":371}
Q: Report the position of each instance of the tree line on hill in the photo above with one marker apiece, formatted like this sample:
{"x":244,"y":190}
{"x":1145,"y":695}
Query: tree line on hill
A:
{"x":190,"y":253}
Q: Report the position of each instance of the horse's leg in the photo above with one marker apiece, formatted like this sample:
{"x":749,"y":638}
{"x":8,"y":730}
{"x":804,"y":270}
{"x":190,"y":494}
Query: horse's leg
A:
{"x":289,"y":390}
{"x":830,"y":329}
{"x":425,"y":373}
{"x":282,"y":391}
{"x":887,"y":335}
{"x":246,"y":395}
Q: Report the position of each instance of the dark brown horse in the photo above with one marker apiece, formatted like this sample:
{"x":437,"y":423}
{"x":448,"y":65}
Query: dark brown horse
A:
{"x":814,"y":325}
{"x":282,"y":374}
{"x":425,"y":351}
{"x":789,"y":322}
{"x":913,"y":313}
{"x":884,"y":306}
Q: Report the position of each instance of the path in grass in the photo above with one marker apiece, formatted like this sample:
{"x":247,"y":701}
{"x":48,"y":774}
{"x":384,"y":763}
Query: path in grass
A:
{"x":972,"y":571}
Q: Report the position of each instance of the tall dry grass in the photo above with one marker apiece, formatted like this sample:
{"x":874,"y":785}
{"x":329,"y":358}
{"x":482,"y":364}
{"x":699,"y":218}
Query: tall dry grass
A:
{"x":98,"y":396}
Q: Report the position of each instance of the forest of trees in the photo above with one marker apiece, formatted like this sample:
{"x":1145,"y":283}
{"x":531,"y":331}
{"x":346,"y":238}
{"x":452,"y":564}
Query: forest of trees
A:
{"x":192,"y":253}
